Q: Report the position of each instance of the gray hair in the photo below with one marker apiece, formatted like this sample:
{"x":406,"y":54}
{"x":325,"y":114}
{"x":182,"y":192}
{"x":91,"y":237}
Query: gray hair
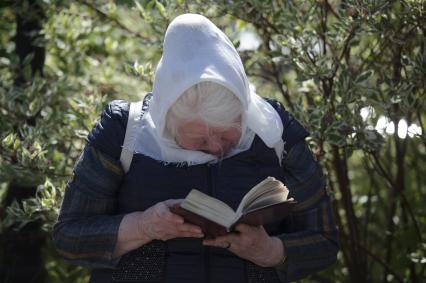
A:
{"x":208,"y":102}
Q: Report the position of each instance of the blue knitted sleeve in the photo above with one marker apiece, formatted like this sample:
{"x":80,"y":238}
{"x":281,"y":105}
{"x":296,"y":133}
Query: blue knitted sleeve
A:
{"x":293,"y":132}
{"x":108,"y":133}
{"x":87,"y":227}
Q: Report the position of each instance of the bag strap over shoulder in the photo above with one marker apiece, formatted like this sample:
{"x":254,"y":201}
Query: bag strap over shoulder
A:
{"x":135,"y":115}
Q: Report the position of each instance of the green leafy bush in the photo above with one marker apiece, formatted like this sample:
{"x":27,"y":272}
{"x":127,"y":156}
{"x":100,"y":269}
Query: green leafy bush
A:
{"x":351,"y":71}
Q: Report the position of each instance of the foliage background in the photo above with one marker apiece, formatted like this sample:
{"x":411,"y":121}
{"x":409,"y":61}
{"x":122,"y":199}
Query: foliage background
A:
{"x":352,"y":71}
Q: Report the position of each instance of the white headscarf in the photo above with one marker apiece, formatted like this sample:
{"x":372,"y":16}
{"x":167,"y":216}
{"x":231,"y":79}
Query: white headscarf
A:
{"x":195,"y":50}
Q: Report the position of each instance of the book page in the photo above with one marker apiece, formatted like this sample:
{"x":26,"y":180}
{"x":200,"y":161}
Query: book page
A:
{"x":267,"y":187}
{"x":266,"y":201}
{"x":209,"y":207}
{"x":262,"y":195}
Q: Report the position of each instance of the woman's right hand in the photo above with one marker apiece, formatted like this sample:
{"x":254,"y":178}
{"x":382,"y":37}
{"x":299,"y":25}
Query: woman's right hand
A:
{"x":156,"y":223}
{"x":159,"y":223}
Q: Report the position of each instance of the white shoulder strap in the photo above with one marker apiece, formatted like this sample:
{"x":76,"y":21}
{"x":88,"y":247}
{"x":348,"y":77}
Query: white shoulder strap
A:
{"x":135,"y":115}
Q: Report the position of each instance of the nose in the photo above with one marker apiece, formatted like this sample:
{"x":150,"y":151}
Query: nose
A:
{"x":214,"y":146}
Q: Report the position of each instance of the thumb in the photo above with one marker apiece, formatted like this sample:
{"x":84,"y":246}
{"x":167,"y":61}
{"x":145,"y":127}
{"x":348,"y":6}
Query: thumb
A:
{"x":173,"y":202}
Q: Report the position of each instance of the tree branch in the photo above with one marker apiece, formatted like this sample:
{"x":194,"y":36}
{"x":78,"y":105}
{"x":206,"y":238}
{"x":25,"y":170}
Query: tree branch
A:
{"x":340,"y":167}
{"x":330,"y":8}
{"x":413,"y":218}
{"x":348,"y":39}
{"x":105,"y":16}
{"x":381,"y":262}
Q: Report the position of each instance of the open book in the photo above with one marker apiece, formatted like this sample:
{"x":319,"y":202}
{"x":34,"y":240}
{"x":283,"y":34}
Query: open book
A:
{"x":265,"y":203}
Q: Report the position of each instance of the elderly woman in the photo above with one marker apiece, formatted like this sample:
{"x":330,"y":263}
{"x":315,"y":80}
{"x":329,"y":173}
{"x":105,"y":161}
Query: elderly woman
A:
{"x":202,"y":127}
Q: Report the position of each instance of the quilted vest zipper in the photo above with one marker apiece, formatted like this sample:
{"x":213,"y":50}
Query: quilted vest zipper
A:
{"x":210,"y":191}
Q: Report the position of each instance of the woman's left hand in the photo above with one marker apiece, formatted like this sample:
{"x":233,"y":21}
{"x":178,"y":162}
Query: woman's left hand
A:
{"x":251,"y":243}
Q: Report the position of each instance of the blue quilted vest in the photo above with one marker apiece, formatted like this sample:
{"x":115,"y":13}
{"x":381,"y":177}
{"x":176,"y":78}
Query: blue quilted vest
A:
{"x":186,"y":259}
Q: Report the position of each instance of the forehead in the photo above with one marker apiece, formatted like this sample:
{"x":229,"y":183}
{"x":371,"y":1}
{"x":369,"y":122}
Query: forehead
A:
{"x":193,"y":127}
{"x":199,"y":128}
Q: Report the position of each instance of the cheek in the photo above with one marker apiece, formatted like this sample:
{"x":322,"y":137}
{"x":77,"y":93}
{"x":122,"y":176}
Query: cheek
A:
{"x":236,"y":135}
{"x":190,"y":143}
{"x":184,"y":143}
{"x":233,"y":137}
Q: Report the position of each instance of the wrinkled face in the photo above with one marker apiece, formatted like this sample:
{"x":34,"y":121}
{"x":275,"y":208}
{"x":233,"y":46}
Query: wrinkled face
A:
{"x":196,"y":135}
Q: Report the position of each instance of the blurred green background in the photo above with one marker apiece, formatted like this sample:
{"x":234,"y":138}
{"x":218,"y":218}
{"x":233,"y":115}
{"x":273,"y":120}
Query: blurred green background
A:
{"x":353,"y":72}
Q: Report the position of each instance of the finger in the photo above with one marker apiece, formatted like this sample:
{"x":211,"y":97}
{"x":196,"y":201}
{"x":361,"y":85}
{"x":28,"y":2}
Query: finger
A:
{"x":175,"y":218}
{"x":165,"y":213}
{"x":184,"y":235}
{"x":209,"y":242}
{"x":221,"y":244}
{"x":187,"y":230}
{"x":172,"y":202}
{"x":171,"y":217}
{"x":229,"y":237}
{"x":213,"y":243}
{"x":186,"y":227}
{"x":191,"y":235}
{"x":221,"y":240}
